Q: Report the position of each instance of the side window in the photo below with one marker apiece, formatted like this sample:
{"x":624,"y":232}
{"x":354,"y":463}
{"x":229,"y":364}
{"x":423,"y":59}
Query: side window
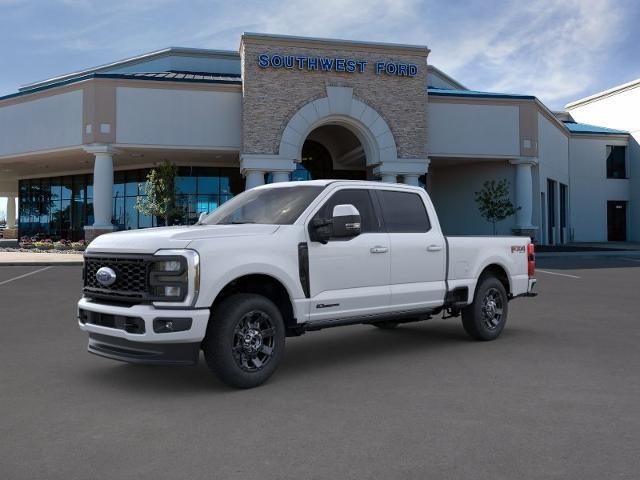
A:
{"x":359,"y":199}
{"x":403,"y":212}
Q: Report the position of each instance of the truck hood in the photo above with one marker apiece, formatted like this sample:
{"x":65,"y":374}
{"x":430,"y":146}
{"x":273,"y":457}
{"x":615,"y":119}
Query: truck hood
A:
{"x":149,"y":240}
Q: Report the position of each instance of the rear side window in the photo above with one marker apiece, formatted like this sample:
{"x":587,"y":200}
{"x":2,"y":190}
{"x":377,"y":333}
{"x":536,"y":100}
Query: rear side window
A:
{"x":403,"y":212}
{"x":359,"y":199}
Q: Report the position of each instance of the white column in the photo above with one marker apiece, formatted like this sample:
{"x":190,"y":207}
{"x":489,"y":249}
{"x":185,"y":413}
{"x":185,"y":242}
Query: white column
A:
{"x":11,"y":212}
{"x":253,"y":166}
{"x":102,"y":186}
{"x":388,"y":178}
{"x":254,"y":178}
{"x":524,"y":192}
{"x":412,"y":180}
{"x":280,"y":176}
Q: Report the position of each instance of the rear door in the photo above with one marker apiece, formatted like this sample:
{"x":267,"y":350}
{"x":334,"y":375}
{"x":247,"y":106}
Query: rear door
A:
{"x":418,"y":252}
{"x":350,"y":277}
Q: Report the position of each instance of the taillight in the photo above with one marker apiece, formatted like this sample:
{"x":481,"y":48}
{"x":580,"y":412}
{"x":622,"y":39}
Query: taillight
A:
{"x":531,"y":259}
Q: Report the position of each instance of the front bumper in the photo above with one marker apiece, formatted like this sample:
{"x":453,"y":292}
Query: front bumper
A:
{"x":147,"y":353}
{"x":130,"y":335}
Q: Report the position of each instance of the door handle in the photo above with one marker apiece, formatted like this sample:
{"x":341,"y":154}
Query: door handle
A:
{"x":434,"y":248}
{"x":378,"y":249}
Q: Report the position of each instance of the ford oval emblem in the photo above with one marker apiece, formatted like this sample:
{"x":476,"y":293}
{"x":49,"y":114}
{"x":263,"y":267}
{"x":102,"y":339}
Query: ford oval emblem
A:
{"x":106,"y":276}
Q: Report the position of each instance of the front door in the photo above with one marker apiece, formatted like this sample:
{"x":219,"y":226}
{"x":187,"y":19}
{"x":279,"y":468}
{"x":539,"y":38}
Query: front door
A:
{"x":617,"y":221}
{"x":350,"y":277}
{"x":418,"y":252}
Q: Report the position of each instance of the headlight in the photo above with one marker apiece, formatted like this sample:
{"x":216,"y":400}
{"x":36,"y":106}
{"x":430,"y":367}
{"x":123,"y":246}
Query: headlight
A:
{"x":169,"y":279}
{"x":174,"y":278}
{"x":168,"y":266}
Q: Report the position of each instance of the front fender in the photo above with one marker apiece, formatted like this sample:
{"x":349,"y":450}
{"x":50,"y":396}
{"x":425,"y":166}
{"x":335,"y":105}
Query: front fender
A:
{"x":211,"y":287}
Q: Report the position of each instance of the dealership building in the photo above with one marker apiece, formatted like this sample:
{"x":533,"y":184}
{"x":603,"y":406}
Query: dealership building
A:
{"x":75,"y":149}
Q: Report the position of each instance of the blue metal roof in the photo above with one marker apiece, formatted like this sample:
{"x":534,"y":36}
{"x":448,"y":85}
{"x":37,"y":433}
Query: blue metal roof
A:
{"x":172,"y":76}
{"x":447,"y":92}
{"x":594,"y":129}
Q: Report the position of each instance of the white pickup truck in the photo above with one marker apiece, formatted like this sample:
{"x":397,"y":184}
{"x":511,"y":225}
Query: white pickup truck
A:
{"x":283,"y":259}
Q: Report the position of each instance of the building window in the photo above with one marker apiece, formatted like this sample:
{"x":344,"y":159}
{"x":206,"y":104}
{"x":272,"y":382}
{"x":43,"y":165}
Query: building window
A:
{"x":60,"y":207}
{"x":616,"y":161}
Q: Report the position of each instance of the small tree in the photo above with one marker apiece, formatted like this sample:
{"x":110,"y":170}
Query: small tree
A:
{"x":494,"y":203}
{"x":160,"y":199}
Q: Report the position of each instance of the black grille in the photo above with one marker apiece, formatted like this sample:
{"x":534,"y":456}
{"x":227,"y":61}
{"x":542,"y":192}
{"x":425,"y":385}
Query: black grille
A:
{"x":132,"y":278}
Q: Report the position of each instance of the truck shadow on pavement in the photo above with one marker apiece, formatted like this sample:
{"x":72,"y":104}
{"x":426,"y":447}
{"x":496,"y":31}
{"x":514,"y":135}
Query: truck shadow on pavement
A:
{"x":312,"y":354}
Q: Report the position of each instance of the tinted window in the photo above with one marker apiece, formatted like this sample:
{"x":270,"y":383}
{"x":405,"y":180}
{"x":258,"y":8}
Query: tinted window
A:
{"x":403,"y":212}
{"x":616,"y":162}
{"x":359,"y":199}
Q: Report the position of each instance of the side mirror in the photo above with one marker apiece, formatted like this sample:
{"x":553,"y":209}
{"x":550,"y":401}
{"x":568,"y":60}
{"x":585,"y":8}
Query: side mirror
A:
{"x":320,"y":230}
{"x":346,"y":221}
{"x":202,"y":216}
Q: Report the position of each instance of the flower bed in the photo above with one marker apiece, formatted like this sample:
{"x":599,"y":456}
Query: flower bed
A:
{"x":35,"y":244}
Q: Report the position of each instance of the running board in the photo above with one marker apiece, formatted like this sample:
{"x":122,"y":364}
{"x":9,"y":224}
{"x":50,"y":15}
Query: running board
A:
{"x":400,"y":317}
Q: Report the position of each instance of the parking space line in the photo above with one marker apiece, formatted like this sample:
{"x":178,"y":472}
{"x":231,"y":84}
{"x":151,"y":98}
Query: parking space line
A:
{"x":25,"y":275}
{"x":556,"y":273}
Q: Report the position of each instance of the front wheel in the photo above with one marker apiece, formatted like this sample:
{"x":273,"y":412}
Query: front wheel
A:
{"x":245,"y":340}
{"x":485,"y":318}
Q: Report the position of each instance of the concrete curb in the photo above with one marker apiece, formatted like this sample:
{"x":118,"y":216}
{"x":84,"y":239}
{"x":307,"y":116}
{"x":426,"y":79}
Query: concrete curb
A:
{"x":41,"y":264}
{"x":615,"y":253}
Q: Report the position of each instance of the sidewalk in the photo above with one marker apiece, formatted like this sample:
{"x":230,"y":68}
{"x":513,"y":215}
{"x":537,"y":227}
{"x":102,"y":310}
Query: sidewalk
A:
{"x":604,"y":249}
{"x":36,"y":259}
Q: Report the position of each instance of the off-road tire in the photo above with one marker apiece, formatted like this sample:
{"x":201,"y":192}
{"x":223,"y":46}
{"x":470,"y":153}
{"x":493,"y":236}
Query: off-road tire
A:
{"x":232,"y":341}
{"x":490,"y":298}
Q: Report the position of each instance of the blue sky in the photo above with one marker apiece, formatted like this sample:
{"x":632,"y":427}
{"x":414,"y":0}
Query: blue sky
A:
{"x":558,"y":50}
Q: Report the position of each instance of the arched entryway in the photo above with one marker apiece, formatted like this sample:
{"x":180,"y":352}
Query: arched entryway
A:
{"x":331,"y":151}
{"x":355,"y":137}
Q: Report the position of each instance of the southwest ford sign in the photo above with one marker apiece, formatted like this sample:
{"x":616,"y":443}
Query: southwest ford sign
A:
{"x":329,"y":64}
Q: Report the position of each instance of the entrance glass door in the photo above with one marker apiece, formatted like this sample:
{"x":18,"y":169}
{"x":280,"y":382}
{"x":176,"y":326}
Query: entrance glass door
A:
{"x":617,"y":221}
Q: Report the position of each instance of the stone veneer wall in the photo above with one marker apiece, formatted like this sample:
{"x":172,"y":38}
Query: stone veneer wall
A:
{"x":271,"y":96}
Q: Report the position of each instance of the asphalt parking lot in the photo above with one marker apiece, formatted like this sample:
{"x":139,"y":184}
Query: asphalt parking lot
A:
{"x":557,"y":396}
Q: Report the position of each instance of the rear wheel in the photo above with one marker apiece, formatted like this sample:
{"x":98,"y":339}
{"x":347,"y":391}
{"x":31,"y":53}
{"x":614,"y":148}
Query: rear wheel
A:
{"x":485,"y":318}
{"x":245,"y":340}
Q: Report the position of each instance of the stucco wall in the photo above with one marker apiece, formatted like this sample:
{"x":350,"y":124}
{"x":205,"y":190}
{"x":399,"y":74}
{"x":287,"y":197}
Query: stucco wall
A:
{"x":147,"y":116}
{"x":42,"y":124}
{"x":553,"y":163}
{"x":620,"y":111}
{"x":452,"y":189}
{"x":589,"y":188}
{"x":466,"y":129}
{"x":272,"y":96}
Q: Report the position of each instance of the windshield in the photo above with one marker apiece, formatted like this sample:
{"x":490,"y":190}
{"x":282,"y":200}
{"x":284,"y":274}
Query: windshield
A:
{"x":274,"y":206}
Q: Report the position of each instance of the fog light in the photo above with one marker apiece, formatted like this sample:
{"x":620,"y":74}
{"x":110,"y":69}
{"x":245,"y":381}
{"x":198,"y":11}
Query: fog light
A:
{"x":167,"y":325}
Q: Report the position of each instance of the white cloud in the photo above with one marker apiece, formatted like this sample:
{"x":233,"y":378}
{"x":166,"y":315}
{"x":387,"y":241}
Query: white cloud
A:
{"x":547,"y":48}
{"x":554,"y":49}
